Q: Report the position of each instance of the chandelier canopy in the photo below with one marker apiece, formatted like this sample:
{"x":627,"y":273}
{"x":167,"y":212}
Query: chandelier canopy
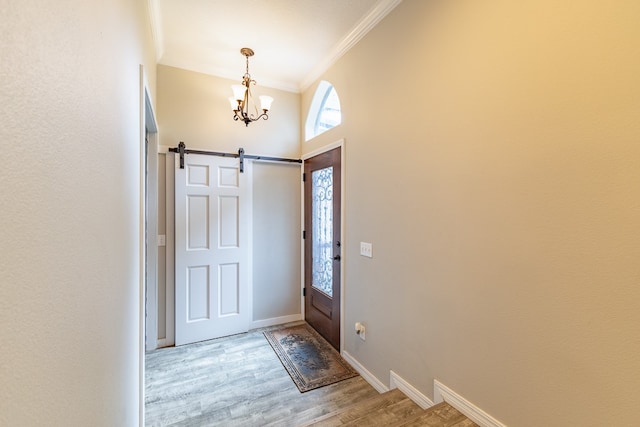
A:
{"x":242,"y":97}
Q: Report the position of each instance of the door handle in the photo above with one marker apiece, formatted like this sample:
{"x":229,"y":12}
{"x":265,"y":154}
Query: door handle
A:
{"x":336,"y":258}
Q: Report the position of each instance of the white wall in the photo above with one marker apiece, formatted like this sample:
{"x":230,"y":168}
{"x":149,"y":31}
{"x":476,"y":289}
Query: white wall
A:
{"x":492,"y":159}
{"x":70,"y":215}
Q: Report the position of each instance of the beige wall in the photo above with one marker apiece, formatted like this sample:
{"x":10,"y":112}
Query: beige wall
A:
{"x":492,"y":160}
{"x":193,"y":107}
{"x":276,"y":240}
{"x":70,"y":215}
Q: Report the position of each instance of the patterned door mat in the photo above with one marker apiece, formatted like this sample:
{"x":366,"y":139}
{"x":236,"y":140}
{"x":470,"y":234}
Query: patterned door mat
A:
{"x":310,"y":360}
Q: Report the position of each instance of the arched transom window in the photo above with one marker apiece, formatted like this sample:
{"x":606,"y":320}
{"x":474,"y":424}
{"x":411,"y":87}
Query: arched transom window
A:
{"x":325,"y":112}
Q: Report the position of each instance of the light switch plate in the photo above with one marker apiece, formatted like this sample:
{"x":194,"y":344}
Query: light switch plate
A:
{"x":366,"y":249}
{"x":162,"y":240}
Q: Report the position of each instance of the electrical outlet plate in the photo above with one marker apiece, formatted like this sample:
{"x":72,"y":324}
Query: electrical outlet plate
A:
{"x":361,"y":330}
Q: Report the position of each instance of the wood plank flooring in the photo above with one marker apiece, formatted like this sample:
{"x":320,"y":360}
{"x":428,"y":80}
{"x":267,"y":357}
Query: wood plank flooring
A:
{"x":239,"y":381}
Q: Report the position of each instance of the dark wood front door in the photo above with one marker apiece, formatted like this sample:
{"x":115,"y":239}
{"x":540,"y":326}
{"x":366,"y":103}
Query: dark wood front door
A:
{"x":322,"y":244}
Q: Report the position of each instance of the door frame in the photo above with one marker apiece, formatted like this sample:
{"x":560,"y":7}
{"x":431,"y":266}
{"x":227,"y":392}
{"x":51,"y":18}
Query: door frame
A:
{"x":147,"y":123}
{"x":151,"y":232}
{"x":343,"y":253}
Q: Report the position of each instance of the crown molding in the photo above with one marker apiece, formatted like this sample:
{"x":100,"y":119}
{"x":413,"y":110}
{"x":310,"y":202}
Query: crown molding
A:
{"x":375,"y":15}
{"x":155,"y":19}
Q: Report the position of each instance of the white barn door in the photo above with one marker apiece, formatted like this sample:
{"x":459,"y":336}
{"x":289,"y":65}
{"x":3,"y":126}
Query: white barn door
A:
{"x":213,"y":224}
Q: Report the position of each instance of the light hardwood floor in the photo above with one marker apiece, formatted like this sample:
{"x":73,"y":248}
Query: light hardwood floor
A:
{"x":239,"y":381}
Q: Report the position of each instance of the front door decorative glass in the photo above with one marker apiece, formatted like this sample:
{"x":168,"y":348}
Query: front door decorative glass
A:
{"x":322,"y":223}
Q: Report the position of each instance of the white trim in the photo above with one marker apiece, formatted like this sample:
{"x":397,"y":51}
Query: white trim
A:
{"x":151,"y":302}
{"x":155,"y":19}
{"x":146,"y":120}
{"x":171,"y":164}
{"x":324,"y":149}
{"x":343,"y":234}
{"x":364,"y":373}
{"x":396,"y":381}
{"x":443,"y":393}
{"x":375,"y":15}
{"x":274,"y":321}
{"x":142,"y":294}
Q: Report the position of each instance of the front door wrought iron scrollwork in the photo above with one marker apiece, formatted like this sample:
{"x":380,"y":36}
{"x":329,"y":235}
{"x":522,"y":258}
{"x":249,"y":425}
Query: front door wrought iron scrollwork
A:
{"x":322,"y":230}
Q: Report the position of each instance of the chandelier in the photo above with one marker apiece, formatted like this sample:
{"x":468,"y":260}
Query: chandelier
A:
{"x":242,"y":97}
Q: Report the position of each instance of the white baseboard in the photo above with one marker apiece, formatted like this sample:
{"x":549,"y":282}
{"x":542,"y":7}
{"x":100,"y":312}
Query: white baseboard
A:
{"x":440,"y":393}
{"x":410,"y":391}
{"x":368,"y":376}
{"x":443,"y":393}
{"x":275,"y":321}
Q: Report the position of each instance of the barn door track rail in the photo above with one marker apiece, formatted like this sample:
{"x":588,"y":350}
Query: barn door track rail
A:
{"x":182,"y":150}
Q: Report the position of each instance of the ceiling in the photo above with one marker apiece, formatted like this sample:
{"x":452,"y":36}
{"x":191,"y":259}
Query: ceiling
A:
{"x":294,"y":41}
